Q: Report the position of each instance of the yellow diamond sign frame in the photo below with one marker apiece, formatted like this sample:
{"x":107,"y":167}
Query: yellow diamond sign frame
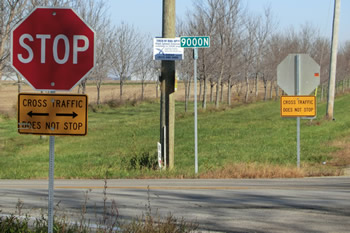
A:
{"x":52,"y":114}
{"x":298,"y":106}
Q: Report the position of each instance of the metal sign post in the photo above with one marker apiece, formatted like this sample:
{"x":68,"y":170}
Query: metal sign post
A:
{"x":51,"y":183}
{"x":195,"y":57}
{"x":297,"y":90}
{"x":164,"y":147}
{"x":195,"y":42}
{"x":298,"y":74}
{"x":52,"y":114}
{"x":46,"y":71}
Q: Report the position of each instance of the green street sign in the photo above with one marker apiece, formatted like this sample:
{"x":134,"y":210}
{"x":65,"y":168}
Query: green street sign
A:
{"x":195,"y":41}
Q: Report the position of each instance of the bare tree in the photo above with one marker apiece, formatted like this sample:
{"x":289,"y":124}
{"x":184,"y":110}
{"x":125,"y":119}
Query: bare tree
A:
{"x":202,"y":22}
{"x":249,"y":52}
{"x":155,"y":74}
{"x":343,"y":67}
{"x":143,"y":62}
{"x":320,"y":52}
{"x":184,"y":68}
{"x":185,"y":74}
{"x":220,"y":32}
{"x":264,"y":30}
{"x":95,"y":14}
{"x":123,"y":51}
{"x":274,"y":56}
{"x":54,"y":3}
{"x":234,"y":48}
{"x":11,"y":12}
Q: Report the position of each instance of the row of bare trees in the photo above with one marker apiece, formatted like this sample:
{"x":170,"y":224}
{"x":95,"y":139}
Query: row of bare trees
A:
{"x":239,"y":44}
{"x":244,"y":52}
{"x":121,"y":51}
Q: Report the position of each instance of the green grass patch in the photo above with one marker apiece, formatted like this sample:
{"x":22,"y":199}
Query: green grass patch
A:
{"x":122,"y":141}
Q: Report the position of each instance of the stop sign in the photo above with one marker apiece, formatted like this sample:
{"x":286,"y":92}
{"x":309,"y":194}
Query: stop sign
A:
{"x":309,"y":74}
{"x":53,"y":48}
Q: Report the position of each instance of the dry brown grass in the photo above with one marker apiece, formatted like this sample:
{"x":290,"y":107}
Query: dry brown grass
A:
{"x":110,"y":91}
{"x":313,"y":170}
{"x":341,"y":158}
{"x":9,"y":94}
{"x":340,"y":161}
{"x":254,"y":170}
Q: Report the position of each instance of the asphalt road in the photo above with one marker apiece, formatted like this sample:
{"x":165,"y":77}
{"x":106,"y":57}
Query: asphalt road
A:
{"x":263,"y":205}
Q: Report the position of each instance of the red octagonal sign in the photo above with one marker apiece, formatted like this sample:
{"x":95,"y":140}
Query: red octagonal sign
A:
{"x":53,"y":48}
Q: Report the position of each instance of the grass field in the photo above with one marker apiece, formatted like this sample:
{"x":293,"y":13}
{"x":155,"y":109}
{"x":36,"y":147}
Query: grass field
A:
{"x":244,"y":141}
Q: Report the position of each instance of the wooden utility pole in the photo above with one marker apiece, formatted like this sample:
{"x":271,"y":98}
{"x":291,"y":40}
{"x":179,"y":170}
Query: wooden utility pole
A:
{"x":167,"y":79}
{"x":333,"y":62}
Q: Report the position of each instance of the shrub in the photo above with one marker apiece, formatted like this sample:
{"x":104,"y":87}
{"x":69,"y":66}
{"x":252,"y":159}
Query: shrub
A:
{"x":143,"y":160}
{"x":13,"y":224}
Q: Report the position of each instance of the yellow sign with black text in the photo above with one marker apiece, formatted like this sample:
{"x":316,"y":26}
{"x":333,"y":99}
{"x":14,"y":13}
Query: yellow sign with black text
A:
{"x":298,"y":106}
{"x":52,"y":114}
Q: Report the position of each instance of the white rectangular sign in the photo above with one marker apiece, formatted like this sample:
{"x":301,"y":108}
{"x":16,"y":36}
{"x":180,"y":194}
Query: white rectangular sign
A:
{"x":167,"y":49}
{"x":159,"y":147}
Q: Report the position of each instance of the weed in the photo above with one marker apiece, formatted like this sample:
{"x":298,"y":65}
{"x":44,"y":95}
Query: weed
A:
{"x":117,"y":103}
{"x":84,"y":210}
{"x":108,"y":224}
{"x":114,"y":103}
{"x":19,"y":206}
{"x":139,"y":161}
{"x":61,"y":225}
{"x":5,"y":115}
{"x":13,"y":224}
{"x":169,"y":224}
{"x":148,"y":206}
{"x":147,"y":223}
{"x":110,"y":214}
{"x":97,"y":108}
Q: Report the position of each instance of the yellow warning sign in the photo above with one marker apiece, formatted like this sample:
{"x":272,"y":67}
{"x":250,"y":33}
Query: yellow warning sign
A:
{"x":52,"y":114}
{"x":298,"y":106}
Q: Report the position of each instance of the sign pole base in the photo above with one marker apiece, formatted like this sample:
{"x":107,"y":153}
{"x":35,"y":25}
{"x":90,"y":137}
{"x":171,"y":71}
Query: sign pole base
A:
{"x":51,"y":183}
